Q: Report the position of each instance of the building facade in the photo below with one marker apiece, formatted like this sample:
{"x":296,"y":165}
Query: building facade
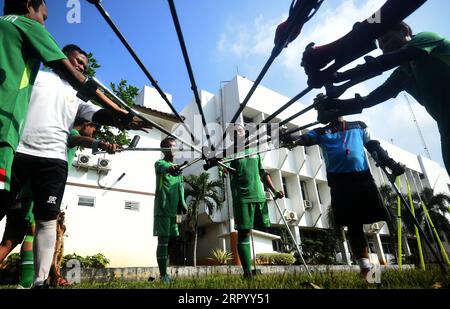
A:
{"x":109,"y":198}
{"x":300,"y":172}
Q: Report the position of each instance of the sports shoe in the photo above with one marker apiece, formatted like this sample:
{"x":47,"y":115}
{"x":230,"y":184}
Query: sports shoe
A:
{"x":248,"y":275}
{"x":165,"y":279}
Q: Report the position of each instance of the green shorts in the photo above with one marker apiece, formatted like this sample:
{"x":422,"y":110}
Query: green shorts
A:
{"x":6,"y":161}
{"x":165,"y":226}
{"x":251,"y":215}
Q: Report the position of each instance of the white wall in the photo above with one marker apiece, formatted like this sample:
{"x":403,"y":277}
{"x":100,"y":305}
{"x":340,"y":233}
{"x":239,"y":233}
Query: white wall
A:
{"x":124,"y":236}
{"x":150,"y":98}
{"x":438,"y":178}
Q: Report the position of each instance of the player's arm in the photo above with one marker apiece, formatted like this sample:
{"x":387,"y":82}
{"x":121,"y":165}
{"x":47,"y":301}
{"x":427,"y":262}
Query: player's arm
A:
{"x":77,"y":80}
{"x":89,"y":142}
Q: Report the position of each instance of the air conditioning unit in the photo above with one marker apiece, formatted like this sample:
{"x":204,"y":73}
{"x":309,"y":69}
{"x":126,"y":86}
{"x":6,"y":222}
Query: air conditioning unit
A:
{"x":104,"y":165}
{"x":307,"y":204}
{"x":291,"y":215}
{"x":84,"y":161}
{"x":373,"y":228}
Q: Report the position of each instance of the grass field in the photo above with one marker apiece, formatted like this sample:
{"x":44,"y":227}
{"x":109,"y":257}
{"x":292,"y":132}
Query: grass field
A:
{"x":409,"y":279}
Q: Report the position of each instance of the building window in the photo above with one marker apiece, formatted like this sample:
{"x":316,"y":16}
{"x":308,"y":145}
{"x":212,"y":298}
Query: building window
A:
{"x":88,"y":201}
{"x":247,"y":119}
{"x":131,"y":205}
{"x":387,"y":247}
{"x":318,"y":193}
{"x":307,"y":151}
{"x":304,"y":190}
{"x":285,"y":190}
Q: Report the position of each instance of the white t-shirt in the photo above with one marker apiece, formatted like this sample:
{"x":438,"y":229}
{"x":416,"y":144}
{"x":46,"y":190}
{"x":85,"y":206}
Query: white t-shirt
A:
{"x":51,"y":115}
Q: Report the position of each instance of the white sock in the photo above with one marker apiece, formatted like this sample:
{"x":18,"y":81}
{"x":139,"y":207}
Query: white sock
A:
{"x":364,"y":263}
{"x":43,"y":248}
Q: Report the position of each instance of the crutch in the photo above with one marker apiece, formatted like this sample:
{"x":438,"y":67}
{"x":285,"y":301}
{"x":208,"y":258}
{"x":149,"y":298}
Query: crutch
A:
{"x":297,"y":247}
{"x":392,"y":177}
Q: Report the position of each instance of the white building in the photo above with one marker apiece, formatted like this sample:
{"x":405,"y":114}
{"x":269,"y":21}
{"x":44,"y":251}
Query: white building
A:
{"x":111,"y":211}
{"x":300,"y":172}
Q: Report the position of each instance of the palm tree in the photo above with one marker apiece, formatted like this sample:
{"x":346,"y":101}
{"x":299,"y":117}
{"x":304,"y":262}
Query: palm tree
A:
{"x":435,"y":204}
{"x":390,"y":201}
{"x":200,"y":190}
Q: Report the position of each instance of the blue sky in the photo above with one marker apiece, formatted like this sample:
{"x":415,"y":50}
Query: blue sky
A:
{"x":227,"y":36}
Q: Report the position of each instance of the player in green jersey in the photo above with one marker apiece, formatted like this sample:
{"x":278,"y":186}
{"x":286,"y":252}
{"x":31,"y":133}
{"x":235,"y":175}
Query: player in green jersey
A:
{"x":249,"y":199}
{"x":169,"y":201}
{"x":423,"y":70}
{"x":25,"y":44}
{"x":20,"y":220}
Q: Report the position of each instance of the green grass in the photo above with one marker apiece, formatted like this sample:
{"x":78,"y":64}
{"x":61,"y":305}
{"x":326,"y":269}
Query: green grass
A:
{"x":410,"y":279}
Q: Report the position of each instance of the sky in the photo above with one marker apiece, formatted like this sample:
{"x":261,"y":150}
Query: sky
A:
{"x":226,"y":37}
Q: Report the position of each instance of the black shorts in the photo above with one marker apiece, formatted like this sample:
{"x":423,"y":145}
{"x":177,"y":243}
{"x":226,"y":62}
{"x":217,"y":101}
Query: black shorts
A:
{"x":355,"y":199}
{"x":16,"y":227}
{"x":47,"y":179}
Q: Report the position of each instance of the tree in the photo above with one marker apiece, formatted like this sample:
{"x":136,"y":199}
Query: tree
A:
{"x":127,"y":93}
{"x":435,"y":204}
{"x":200,"y":190}
{"x":390,"y":201}
{"x":93,"y":65}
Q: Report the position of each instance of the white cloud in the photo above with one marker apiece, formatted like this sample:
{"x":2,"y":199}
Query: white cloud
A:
{"x":247,"y":40}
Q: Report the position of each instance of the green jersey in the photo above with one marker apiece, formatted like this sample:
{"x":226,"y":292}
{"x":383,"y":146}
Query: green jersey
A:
{"x":169,"y":193}
{"x":71,"y":151}
{"x":25,"y":43}
{"x":246,"y":185}
{"x":427,"y":78}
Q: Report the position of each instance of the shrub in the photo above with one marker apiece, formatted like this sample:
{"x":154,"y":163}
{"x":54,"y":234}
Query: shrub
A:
{"x":275,"y":259}
{"x":11,"y":262}
{"x":319,"y":251}
{"x":95,"y":261}
{"x":221,"y":257}
{"x":73,"y":256}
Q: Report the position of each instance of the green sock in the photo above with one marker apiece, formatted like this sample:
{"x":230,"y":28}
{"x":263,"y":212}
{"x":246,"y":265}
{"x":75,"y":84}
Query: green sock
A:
{"x":27,"y":266}
{"x":244,"y":251}
{"x":162,"y":255}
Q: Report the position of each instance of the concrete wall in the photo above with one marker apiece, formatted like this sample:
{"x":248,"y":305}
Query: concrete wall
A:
{"x":124,"y":236}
